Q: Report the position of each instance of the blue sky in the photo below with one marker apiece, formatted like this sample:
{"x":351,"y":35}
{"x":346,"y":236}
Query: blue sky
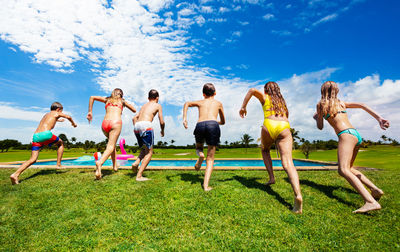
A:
{"x":69,"y":50}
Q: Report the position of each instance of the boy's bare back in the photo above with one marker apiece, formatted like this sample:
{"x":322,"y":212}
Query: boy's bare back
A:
{"x":208,"y":109}
{"x":148,"y":111}
{"x":49,"y":120}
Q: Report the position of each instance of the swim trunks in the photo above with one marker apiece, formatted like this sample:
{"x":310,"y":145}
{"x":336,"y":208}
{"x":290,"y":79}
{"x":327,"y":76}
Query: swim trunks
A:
{"x":144,"y":133}
{"x":107,"y":125}
{"x":208,"y":131}
{"x":353,"y":132}
{"x":43,"y":138}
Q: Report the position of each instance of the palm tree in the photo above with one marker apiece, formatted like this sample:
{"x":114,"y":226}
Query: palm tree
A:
{"x":246,"y":140}
{"x":384,"y":138}
{"x":172,"y":142}
{"x":73,"y":140}
{"x":295,"y":135}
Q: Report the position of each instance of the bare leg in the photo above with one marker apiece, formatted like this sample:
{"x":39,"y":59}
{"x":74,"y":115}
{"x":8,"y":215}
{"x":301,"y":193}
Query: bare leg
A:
{"x":135,"y":165}
{"x":200,"y":154}
{"x":15,"y":176}
{"x":284,"y":143}
{"x":145,"y":162}
{"x":375,"y":191}
{"x":112,"y":140}
{"x":60,"y":152}
{"x":209,"y":167}
{"x":114,"y":160}
{"x":346,"y":147}
{"x":266,"y":143}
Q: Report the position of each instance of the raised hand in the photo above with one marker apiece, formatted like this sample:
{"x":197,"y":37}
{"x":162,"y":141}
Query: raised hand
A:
{"x":242,"y":112}
{"x":384,"y":123}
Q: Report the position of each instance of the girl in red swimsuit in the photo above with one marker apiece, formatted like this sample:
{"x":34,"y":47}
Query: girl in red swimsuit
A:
{"x":112,"y":124}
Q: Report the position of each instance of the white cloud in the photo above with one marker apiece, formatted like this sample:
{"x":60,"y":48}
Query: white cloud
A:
{"x":217,"y":20}
{"x":326,"y":19}
{"x":268,"y":16}
{"x":243,"y":23}
{"x":237,"y":34}
{"x":186,"y":12}
{"x":206,"y":9}
{"x":243,"y":66}
{"x":200,"y":20}
{"x":282,"y":32}
{"x":12,"y":49}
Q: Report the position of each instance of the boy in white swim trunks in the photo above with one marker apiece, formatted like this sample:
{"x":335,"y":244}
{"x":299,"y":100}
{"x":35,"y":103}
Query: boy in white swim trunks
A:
{"x":145,"y":134}
{"x":207,"y":128}
{"x":43,"y":136}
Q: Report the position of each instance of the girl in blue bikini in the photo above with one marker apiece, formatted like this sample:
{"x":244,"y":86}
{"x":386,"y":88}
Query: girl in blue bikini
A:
{"x":334,"y":111}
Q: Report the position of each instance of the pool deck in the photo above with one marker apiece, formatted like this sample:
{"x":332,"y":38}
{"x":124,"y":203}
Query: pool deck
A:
{"x":325,"y":166}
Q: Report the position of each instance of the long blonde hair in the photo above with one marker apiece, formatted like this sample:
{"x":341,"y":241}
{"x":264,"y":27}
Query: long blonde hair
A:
{"x":329,"y":103}
{"x":277,"y":101}
{"x":115,"y":97}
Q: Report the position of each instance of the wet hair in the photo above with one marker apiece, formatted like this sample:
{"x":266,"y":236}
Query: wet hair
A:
{"x":55,"y":106}
{"x":272,"y":89}
{"x":116,"y":96}
{"x":329,"y":103}
{"x":209,"y":89}
{"x":153,"y":94}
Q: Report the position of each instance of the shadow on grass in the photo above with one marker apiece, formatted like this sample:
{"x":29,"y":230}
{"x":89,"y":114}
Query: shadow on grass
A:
{"x":252,"y":183}
{"x":328,"y":190}
{"x":188,"y":177}
{"x":44,"y":172}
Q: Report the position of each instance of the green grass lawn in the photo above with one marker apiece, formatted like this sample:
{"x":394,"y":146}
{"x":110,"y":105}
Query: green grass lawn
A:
{"x":68,"y":210}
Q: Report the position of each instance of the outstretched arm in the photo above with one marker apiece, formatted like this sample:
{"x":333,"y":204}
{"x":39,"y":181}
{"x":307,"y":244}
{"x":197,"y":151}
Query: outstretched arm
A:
{"x":91,"y":101}
{"x":161,"y":119}
{"x":130,"y":107}
{"x":252,"y":92}
{"x":382,"y":122}
{"x":68,"y":118}
{"x":185,"y":109}
{"x":318,"y":118}
{"x":221,"y":115}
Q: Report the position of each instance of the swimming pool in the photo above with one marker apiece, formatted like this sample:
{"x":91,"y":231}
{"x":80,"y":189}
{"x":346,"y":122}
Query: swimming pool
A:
{"x":183,"y":163}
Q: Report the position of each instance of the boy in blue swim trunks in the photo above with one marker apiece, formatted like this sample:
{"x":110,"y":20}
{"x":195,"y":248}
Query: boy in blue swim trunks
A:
{"x":43,"y":136}
{"x":207,"y":129}
{"x":145,"y":134}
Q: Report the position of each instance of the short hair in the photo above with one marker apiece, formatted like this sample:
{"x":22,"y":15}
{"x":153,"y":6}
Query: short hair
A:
{"x":55,"y":106}
{"x":153,"y":94}
{"x":209,"y":89}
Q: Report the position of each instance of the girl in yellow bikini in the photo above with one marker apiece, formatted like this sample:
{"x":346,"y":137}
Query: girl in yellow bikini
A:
{"x":112,"y":124}
{"x":276,"y":129}
{"x":334,"y":112}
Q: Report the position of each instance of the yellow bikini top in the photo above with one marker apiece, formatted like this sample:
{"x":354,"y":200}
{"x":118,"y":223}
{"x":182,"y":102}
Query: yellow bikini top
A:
{"x":267,"y":107}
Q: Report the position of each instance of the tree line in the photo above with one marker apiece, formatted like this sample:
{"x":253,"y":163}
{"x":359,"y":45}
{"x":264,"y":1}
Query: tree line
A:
{"x":246,"y":141}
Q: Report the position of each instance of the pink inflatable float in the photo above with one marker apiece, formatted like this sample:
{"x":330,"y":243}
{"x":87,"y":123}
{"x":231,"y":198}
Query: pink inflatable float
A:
{"x":123,"y":156}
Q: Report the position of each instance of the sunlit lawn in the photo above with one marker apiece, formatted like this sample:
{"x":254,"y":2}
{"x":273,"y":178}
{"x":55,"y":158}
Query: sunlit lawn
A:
{"x":68,"y":210}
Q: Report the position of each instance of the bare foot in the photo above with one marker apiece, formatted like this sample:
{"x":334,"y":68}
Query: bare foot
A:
{"x":377,"y":194}
{"x":200,"y":154}
{"x":207,"y":189}
{"x":298,"y":205}
{"x":98,"y":171}
{"x":115,"y":168}
{"x":142,"y":179}
{"x":368,"y":207}
{"x":135,"y":167}
{"x":270,"y":182}
{"x":58,"y":167}
{"x":14,"y":179}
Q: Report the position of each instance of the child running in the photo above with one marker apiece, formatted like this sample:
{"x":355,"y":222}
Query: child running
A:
{"x":144,"y":132}
{"x":111,"y":126}
{"x":334,"y":111}
{"x":207,"y":128}
{"x":43,"y":136}
{"x":276,"y":129}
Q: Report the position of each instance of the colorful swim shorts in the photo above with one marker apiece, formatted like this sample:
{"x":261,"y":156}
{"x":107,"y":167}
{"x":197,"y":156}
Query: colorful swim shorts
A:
{"x":43,"y":138}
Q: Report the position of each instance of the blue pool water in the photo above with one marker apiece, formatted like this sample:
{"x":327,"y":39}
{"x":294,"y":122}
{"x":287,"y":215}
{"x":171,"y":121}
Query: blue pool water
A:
{"x":179,"y":163}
